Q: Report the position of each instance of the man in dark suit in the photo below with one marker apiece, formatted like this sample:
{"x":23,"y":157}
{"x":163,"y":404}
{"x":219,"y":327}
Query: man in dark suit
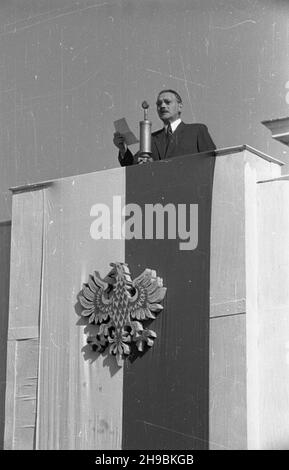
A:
{"x":176,"y":138}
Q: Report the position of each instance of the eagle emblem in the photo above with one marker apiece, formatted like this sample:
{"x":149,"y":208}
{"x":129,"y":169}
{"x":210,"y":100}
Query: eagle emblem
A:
{"x":118,"y":306}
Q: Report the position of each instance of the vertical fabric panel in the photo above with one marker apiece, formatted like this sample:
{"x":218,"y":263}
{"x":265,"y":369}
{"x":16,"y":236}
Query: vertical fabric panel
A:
{"x":23,"y":331}
{"x":228,"y":282}
{"x":228,"y":404}
{"x":273,"y":315}
{"x":26,"y":260}
{"x":166,"y":390}
{"x":5,"y":238}
{"x":234,"y":382}
{"x":80,"y":392}
{"x":26,"y":364}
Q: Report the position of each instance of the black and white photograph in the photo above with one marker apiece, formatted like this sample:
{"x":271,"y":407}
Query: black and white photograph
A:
{"x":144,"y":228}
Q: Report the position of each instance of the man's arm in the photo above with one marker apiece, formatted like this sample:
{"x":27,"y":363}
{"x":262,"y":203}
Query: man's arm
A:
{"x":126,"y":159}
{"x":205,"y":141}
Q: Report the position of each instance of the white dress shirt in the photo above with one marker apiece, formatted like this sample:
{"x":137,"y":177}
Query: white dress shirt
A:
{"x":174,"y":125}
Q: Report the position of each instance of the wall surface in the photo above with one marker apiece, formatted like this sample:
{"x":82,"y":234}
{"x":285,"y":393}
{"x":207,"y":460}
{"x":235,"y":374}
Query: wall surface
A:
{"x":68,"y":69}
{"x":5,"y":235}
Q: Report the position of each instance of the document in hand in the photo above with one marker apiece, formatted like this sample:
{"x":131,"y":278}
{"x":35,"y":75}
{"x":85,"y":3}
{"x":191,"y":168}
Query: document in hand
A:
{"x":121,"y":126}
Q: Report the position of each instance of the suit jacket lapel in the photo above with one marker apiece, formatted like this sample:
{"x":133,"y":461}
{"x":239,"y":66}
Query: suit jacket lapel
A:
{"x":178,"y":133}
{"x":174,"y":143}
{"x":161,"y":143}
{"x":170,"y":145}
{"x":165,"y":151}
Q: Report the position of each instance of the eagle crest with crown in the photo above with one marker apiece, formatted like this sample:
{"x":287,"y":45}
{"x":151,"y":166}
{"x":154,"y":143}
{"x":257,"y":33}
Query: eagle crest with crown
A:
{"x":118,"y":306}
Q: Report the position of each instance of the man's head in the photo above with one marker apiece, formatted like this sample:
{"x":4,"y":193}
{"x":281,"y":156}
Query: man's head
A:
{"x":169,"y":105}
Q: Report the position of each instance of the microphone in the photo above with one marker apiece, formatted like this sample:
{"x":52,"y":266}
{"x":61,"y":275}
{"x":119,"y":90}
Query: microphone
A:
{"x":145,"y":135}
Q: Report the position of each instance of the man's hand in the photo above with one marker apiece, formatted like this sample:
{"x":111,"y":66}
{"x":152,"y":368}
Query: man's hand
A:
{"x":119,"y":142}
{"x":142,"y":160}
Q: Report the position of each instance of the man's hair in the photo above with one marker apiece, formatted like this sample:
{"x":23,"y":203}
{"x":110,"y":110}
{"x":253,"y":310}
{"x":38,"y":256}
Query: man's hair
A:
{"x":179,"y":99}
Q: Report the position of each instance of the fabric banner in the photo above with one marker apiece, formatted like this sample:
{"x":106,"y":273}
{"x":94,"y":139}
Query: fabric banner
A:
{"x":166,"y":404}
{"x":159,"y":398}
{"x":79,"y":392}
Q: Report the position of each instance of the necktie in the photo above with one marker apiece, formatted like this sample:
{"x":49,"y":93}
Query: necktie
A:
{"x":169,"y":131}
{"x":169,"y":138}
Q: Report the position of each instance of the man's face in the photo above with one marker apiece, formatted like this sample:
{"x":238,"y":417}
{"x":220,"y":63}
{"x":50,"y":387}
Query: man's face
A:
{"x":168,"y":107}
